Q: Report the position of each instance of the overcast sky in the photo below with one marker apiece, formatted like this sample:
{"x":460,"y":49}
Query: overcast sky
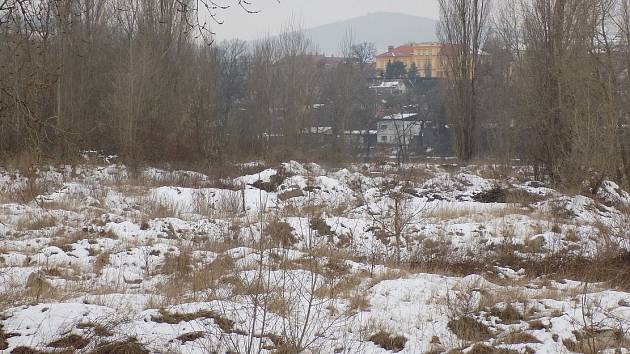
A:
{"x":309,"y":13}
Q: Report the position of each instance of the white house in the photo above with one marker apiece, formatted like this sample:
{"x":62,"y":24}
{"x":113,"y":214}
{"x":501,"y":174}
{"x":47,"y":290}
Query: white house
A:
{"x":398,"y":129}
{"x":390,"y":87}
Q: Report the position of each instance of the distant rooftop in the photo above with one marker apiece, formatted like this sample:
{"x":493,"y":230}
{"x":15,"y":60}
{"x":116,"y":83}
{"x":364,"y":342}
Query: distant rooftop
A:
{"x":404,"y":50}
{"x":399,"y":116}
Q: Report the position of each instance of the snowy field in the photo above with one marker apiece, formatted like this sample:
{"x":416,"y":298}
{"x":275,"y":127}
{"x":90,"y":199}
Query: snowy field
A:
{"x":291,"y":258}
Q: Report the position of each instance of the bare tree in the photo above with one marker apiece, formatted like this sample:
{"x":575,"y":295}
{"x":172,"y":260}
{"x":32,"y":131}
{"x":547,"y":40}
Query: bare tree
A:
{"x":463,"y":30}
{"x":296,"y":72}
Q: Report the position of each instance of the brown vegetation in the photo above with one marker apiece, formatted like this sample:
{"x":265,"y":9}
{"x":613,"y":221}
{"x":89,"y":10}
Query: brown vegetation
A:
{"x":470,"y":329}
{"x":388,"y":341}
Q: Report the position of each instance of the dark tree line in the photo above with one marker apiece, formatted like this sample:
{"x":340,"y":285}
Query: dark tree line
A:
{"x":142,"y":78}
{"x":549,"y":79}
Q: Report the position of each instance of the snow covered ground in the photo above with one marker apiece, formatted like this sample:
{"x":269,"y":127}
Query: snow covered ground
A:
{"x":301,"y":258}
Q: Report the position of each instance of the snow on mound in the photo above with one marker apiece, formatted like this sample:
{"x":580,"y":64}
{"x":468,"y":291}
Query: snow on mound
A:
{"x":264,"y":176}
{"x":458,"y":187}
{"x":110,"y":259}
{"x":612,"y":194}
{"x":37,"y":326}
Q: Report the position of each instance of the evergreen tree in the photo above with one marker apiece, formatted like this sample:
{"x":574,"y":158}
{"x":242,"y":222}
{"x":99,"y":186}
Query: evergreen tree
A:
{"x":412,"y":73}
{"x":389,"y":70}
{"x":395,"y":70}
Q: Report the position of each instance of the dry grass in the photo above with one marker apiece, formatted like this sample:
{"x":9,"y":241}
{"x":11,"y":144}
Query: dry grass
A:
{"x":179,"y":263}
{"x":447,"y":211}
{"x":318,"y":224}
{"x":359,"y":302}
{"x":67,"y":204}
{"x":389,"y":341}
{"x":388,"y":275}
{"x":101,"y":261}
{"x":36,"y":221}
{"x":470,"y":329}
{"x":340,"y":287}
{"x":479,"y":348}
{"x":65,"y":240}
{"x":38,"y":289}
{"x":204,"y":283}
{"x":3,"y":339}
{"x":98,"y":329}
{"x":281,"y":233}
{"x":159,"y":208}
{"x":294,"y":192}
{"x":519,"y":338}
{"x":522,"y":197}
{"x":73,"y":341}
{"x":229,"y":203}
{"x":30,"y":188}
{"x":189,"y":337}
{"x":130,"y":346}
{"x":591,"y":341}
{"x":224,"y":323}
{"x":279,"y":305}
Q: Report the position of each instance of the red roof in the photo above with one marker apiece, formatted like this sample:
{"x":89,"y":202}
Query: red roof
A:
{"x":402,"y":51}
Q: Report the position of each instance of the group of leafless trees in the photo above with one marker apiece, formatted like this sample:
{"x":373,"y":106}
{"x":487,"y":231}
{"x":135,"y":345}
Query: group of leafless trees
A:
{"x":549,"y":77}
{"x":143,"y":79}
{"x":546,"y":81}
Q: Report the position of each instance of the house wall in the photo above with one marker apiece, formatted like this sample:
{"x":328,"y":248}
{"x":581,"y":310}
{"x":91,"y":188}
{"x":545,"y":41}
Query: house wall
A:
{"x":423,"y":54}
{"x":399,"y":89}
{"x":394,"y":132}
{"x":381,"y":63}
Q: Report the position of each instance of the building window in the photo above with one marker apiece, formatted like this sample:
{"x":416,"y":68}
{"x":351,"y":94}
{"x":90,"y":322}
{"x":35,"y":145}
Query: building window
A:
{"x":384,"y":126}
{"x":383,"y":139}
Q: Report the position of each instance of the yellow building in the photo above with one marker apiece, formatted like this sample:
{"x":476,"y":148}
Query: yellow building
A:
{"x":426,"y":56}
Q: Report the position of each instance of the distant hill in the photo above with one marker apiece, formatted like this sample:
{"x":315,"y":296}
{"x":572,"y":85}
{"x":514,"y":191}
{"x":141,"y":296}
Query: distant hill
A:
{"x":382,"y":28}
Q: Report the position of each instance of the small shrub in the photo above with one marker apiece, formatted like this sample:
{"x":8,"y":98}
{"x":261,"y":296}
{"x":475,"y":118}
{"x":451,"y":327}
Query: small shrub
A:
{"x":189,"y":337}
{"x":336,"y":267}
{"x":281,"y":233}
{"x":556,"y":229}
{"x":571,"y":236}
{"x":388,"y":342}
{"x":494,"y":195}
{"x":319,"y":224}
{"x":508,"y":315}
{"x":101,"y":261}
